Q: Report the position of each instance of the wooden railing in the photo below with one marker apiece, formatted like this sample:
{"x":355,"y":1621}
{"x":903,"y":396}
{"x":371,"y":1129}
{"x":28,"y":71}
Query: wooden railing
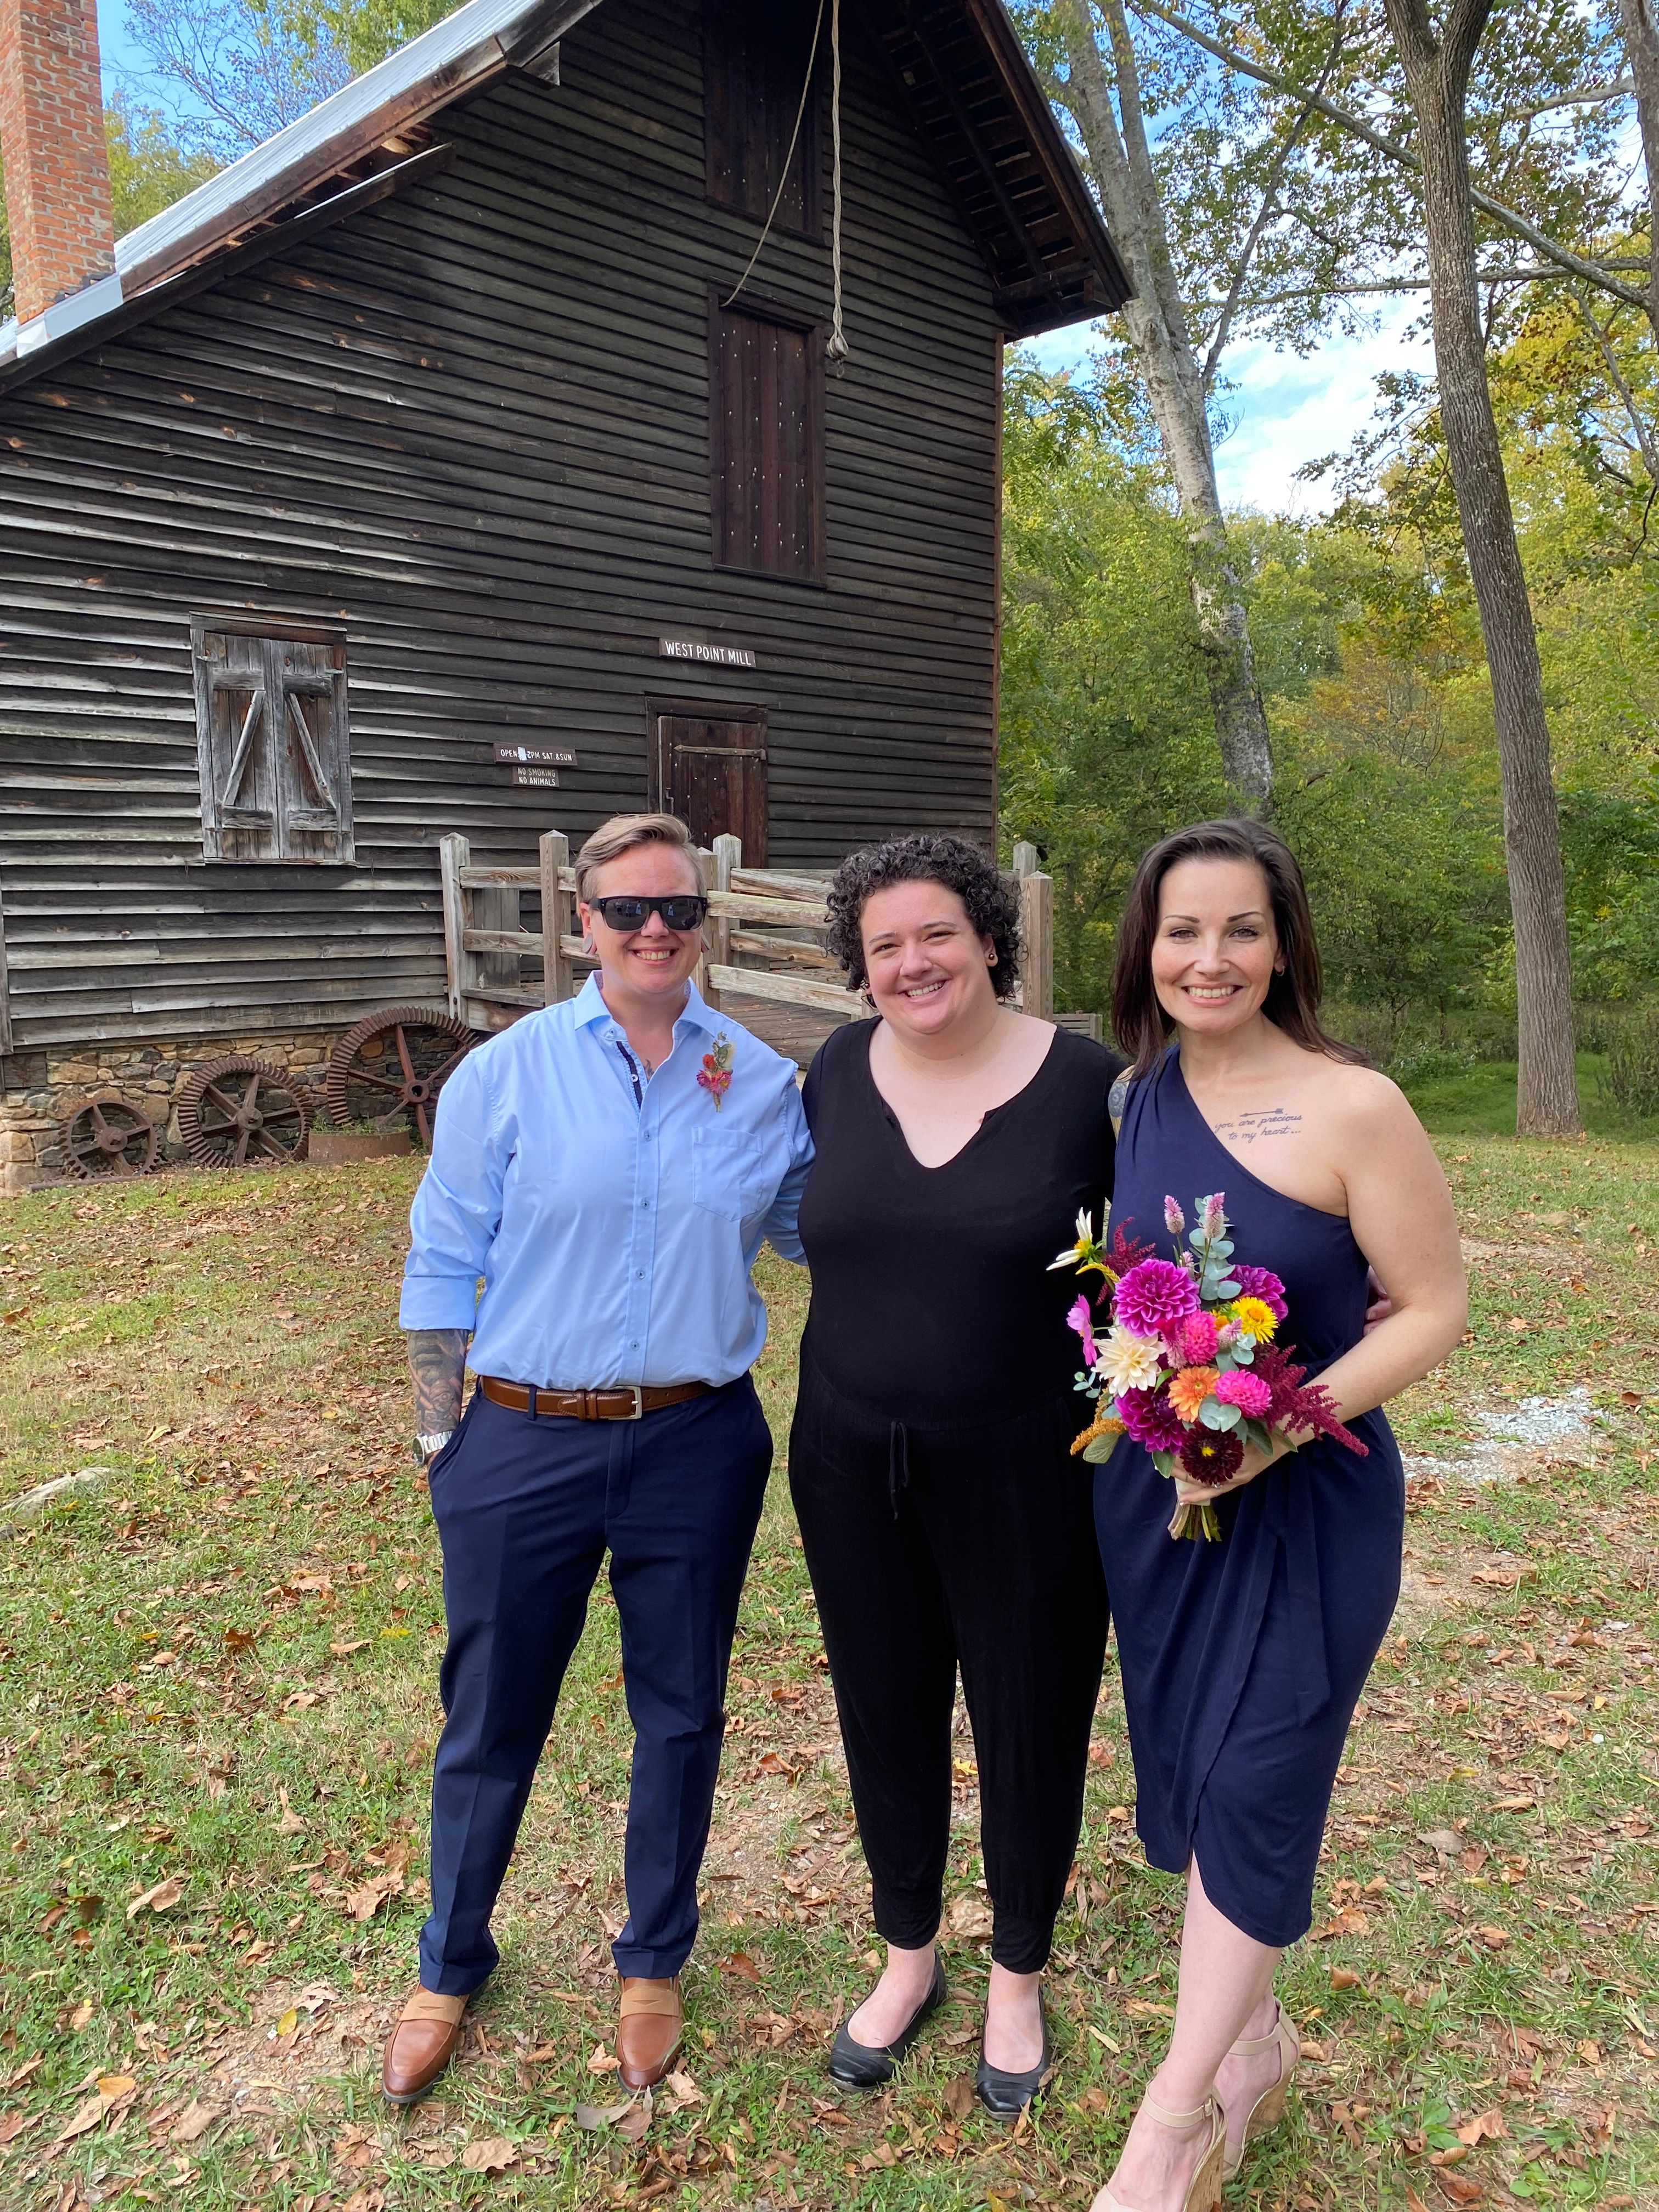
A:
{"x":764,"y":938}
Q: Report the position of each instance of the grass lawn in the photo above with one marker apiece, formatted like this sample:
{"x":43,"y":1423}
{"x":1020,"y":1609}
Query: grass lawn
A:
{"x":221,"y":1707}
{"x":1481,"y":1103}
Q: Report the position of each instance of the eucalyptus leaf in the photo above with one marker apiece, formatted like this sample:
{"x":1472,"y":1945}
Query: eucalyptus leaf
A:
{"x":1099,"y":1450}
{"x":1214,"y":1415}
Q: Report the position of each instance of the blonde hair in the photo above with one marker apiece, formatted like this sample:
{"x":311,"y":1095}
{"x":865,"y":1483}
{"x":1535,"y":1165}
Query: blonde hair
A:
{"x":622,"y":834}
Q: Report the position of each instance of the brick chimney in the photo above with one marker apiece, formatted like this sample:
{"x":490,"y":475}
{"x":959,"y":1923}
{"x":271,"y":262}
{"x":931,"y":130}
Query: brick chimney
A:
{"x":51,"y":143}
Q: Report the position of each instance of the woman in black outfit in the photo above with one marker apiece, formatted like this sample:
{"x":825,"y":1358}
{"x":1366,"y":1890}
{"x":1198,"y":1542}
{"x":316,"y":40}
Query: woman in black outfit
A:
{"x":944,"y":1521}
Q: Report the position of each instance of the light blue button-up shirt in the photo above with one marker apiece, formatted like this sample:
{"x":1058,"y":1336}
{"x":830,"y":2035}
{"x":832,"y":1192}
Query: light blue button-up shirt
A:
{"x":614,"y":1219}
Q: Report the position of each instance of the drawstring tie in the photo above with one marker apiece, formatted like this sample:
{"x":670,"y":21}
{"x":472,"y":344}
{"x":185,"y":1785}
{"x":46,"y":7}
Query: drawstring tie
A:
{"x":898,"y":1463}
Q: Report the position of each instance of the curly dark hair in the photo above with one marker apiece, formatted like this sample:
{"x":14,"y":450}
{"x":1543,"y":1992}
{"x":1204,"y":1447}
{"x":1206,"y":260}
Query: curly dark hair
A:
{"x":993,"y":908}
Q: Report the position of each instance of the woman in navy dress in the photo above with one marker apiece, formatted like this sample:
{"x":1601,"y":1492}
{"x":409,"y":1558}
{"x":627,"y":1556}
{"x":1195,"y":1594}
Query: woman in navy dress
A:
{"x":1243,"y":1660}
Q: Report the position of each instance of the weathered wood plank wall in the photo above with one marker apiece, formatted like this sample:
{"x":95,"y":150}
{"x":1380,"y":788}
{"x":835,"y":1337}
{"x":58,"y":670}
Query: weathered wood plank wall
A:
{"x":471,"y":424}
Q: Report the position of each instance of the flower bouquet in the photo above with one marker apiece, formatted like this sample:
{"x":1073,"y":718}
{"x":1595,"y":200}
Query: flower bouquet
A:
{"x":1187,"y":1366}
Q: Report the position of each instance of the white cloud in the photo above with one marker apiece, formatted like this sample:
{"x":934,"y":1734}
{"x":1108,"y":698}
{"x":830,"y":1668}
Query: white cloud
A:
{"x":1283,"y":410}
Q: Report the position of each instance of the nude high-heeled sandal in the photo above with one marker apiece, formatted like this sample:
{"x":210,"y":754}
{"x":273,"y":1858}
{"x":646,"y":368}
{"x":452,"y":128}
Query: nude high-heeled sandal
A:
{"x":1269,"y":2107}
{"x":1204,"y":2190}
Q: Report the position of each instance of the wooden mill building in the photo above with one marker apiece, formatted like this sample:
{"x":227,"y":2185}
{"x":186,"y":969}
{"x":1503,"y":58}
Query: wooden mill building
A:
{"x":479,"y":456}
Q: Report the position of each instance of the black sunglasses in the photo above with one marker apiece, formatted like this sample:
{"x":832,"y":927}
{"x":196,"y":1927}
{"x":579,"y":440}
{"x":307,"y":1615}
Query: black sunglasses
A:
{"x":680,"y":910}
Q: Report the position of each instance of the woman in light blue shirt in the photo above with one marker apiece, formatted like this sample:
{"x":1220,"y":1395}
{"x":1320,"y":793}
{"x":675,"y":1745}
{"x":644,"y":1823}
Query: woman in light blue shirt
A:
{"x":608,"y":1167}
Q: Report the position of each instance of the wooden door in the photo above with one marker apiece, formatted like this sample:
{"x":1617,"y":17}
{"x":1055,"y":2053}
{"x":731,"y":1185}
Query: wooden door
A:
{"x":711,"y":771}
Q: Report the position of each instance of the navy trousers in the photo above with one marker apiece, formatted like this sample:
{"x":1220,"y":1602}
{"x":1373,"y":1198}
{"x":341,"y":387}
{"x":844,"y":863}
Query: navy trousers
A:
{"x":526,"y":1510}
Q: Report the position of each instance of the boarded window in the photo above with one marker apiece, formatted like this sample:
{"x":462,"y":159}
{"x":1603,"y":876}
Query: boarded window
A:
{"x":755,"y":58}
{"x":765,"y":444}
{"x":273,"y":742}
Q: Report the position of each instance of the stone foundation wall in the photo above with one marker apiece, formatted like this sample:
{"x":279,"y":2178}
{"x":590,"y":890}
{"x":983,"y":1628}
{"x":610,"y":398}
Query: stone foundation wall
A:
{"x":40,"y":1089}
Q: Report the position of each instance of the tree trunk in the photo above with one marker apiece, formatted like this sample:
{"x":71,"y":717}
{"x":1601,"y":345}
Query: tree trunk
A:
{"x":1641,"y":32}
{"x":1157,"y":326}
{"x":1436,"y":75}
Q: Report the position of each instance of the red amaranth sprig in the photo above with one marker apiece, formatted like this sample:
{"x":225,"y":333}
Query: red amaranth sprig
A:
{"x":1300,"y":1405}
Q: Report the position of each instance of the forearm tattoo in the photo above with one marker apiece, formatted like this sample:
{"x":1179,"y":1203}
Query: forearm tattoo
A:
{"x":437,"y":1364}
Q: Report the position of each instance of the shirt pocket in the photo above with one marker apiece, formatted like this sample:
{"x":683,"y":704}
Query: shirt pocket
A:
{"x":726,"y":1172}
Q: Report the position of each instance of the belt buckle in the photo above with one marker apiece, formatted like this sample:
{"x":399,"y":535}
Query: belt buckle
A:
{"x":638,"y":1413}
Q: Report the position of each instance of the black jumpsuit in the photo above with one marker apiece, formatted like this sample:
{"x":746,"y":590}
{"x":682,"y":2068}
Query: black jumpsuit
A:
{"x":944,"y":1520}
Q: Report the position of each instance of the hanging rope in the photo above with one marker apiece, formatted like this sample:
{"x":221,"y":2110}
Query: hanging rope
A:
{"x":788,"y":159}
{"x":836,"y":351}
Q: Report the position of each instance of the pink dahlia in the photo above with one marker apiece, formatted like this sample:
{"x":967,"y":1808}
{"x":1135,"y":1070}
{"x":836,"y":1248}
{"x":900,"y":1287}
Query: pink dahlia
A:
{"x":1154,"y":1294}
{"x":1192,"y":1340}
{"x":1262,"y":1283}
{"x":1247,"y":1392}
{"x":1150,"y":1420}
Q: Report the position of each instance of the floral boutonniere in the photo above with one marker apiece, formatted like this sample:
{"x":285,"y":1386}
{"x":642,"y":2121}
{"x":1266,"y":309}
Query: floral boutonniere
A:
{"x":715,"y":1076}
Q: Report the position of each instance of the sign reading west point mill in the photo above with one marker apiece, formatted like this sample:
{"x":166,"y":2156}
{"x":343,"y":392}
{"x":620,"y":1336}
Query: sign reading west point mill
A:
{"x":714,"y":656}
{"x":538,"y":756}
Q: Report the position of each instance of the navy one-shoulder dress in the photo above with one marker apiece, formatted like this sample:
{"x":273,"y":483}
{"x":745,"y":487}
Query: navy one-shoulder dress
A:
{"x":1243,"y":1660}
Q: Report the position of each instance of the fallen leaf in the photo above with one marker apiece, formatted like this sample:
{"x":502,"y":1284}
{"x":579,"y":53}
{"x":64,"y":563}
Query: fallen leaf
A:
{"x":13,"y":2124}
{"x":1483,"y":2127}
{"x":970,"y":1916}
{"x":85,"y":2117}
{"x":599,"y":2116}
{"x":602,"y":2062}
{"x":288,"y":2022}
{"x":490,"y":2154}
{"x":81,"y":2014}
{"x":1461,"y":2189}
{"x":685,"y":2088}
{"x":194,"y":2121}
{"x":959,"y":2097}
{"x":1446,"y":1841}
{"x":739,"y":1962}
{"x":1514,"y":1804}
{"x":162,"y":1899}
{"x":1494,"y":1938}
{"x":345,"y":1650}
{"x":633,"y":2123}
{"x":1344,"y":1977}
{"x":114,"y":2086}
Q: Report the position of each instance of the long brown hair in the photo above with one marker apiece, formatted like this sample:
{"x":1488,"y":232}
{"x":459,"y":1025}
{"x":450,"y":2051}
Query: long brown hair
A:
{"x":1143,"y":1027}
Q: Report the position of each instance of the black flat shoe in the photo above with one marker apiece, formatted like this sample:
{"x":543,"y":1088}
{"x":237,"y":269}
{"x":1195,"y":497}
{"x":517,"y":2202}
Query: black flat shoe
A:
{"x":864,"y":2066}
{"x":1008,"y":2094}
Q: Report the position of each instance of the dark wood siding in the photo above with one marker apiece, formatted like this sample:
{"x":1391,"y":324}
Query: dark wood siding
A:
{"x":471,"y":427}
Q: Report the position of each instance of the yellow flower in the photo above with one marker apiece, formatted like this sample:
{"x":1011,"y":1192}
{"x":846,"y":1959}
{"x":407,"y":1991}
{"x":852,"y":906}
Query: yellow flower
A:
{"x":1189,"y":1390}
{"x":1255,"y":1316}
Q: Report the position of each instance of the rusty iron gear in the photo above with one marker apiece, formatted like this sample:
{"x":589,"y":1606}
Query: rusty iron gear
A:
{"x":238,"y":1113}
{"x":109,"y":1134}
{"x":390,"y":1067}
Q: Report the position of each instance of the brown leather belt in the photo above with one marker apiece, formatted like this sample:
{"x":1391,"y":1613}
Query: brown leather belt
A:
{"x":621,"y":1402}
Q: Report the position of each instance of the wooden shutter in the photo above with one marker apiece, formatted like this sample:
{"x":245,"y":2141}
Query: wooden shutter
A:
{"x":765,"y":444}
{"x":755,"y":58}
{"x":711,"y":772}
{"x":274,"y":744}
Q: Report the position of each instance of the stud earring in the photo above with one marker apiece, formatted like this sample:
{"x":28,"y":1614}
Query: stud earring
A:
{"x":990,"y":959}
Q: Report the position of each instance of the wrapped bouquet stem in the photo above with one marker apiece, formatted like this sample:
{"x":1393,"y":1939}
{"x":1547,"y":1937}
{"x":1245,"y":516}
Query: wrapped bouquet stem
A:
{"x":1188,"y":1365}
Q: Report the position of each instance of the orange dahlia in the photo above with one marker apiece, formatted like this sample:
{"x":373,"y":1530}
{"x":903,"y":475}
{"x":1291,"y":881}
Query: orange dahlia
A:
{"x":1189,"y":1388}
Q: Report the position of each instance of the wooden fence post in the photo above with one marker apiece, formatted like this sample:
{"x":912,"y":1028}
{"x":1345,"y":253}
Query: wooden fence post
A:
{"x":706,"y":868}
{"x":1025,"y":858}
{"x":728,"y":856}
{"x":558,"y":919}
{"x":454,"y":853}
{"x":1037,"y":929}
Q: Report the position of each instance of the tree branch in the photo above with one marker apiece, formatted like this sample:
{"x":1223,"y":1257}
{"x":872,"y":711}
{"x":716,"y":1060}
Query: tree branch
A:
{"x":1574,"y":264}
{"x":1616,"y":377}
{"x":1265,"y":213}
{"x":1587,"y":95}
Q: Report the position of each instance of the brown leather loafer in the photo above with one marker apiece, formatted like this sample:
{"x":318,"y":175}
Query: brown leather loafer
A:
{"x":648,"y":2030}
{"x":420,"y":2045}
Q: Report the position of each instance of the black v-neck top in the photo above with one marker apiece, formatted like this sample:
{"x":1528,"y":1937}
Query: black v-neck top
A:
{"x":931,"y":1298}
